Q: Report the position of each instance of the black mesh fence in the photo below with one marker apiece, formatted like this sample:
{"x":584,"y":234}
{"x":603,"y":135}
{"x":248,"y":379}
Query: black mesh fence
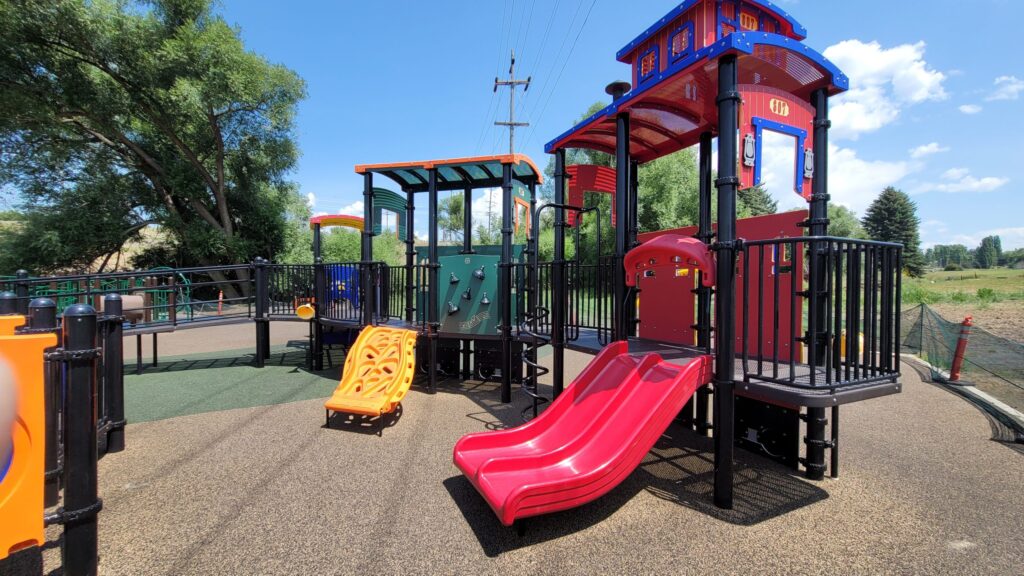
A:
{"x":992,"y":363}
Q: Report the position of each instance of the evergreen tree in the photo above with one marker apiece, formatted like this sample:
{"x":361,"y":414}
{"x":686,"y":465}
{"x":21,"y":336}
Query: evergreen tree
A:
{"x":755,"y":201}
{"x":892,"y":217}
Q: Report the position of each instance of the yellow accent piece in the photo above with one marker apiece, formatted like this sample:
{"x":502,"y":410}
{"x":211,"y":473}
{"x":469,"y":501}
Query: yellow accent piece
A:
{"x":681,"y":272}
{"x":378,"y":372}
{"x":305,"y":312}
{"x":842,"y":342}
{"x":21,"y":488}
{"x":9,"y":323}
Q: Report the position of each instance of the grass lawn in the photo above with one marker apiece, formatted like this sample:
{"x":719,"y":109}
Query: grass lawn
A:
{"x":981,"y":286}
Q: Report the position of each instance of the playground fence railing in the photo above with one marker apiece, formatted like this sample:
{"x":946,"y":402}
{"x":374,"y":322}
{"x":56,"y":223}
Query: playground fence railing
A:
{"x":819,"y":312}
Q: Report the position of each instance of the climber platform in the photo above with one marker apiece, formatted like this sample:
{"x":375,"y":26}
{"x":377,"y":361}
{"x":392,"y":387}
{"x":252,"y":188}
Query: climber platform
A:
{"x":379,"y":369}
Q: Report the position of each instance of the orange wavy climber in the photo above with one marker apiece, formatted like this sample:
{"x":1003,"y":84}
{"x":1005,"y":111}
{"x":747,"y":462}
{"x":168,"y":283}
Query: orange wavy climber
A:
{"x":379,"y":369}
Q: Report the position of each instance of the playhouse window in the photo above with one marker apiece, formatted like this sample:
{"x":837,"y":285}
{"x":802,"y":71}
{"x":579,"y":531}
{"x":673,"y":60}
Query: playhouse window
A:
{"x":681,"y":42}
{"x":748,"y":21}
{"x":648,"y":63}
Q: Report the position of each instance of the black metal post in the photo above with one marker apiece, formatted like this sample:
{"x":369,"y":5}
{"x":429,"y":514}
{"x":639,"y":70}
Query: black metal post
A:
{"x":505,"y":268}
{"x":262,"y":334}
{"x":8,"y":303}
{"x":113,"y":371}
{"x":532,"y":284}
{"x":81,"y":502}
{"x":818,"y":333}
{"x":704,"y":293}
{"x":559,"y":292}
{"x":42,"y":317}
{"x":467,"y":220}
{"x":725,"y":280}
{"x":21,"y":289}
{"x":320,"y":304}
{"x":632,"y":239}
{"x":410,"y":257}
{"x":366,"y":252}
{"x":620,"y":317}
{"x":432,"y":288}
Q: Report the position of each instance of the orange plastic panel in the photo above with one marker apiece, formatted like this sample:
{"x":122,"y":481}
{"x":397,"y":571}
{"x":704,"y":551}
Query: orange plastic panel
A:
{"x":378,"y":372}
{"x":21,"y":488}
{"x":9,"y":323}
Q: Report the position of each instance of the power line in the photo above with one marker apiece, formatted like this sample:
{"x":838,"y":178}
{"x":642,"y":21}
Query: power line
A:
{"x":492,"y":110}
{"x":557,"y":79}
{"x":546,"y":78}
{"x":543,"y":44}
{"x":512,"y":84}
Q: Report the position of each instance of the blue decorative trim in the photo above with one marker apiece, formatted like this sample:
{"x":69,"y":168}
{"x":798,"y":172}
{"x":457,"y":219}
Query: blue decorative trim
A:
{"x":641,"y":78}
{"x":739,"y":42}
{"x":6,"y":466}
{"x":801,"y":137}
{"x":798,"y":28}
{"x":686,"y":28}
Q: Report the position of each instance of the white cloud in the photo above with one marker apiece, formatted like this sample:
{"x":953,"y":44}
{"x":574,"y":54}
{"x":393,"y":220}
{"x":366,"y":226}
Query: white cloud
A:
{"x":927,"y":150}
{"x":310,"y":199}
{"x":489,"y":202}
{"x":882,"y":82}
{"x":1007,"y":88}
{"x":852,"y":181}
{"x":353,"y":209}
{"x":970,"y":109}
{"x":960,"y":180}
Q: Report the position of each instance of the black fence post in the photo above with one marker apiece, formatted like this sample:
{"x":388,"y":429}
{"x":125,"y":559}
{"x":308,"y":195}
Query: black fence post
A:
{"x":8,"y":303}
{"x":81,"y":501}
{"x":21,"y":290}
{"x":262,"y":334}
{"x":113,"y":371}
{"x":558,"y":283}
{"x":42,"y":317}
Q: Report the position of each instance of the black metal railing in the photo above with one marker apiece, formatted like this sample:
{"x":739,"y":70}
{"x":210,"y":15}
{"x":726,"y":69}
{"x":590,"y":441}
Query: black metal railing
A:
{"x":819,"y":312}
{"x":288,"y":287}
{"x":343,"y":292}
{"x":169,"y":297}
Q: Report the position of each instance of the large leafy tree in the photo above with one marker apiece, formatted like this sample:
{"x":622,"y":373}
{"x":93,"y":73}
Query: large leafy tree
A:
{"x":122,"y":113}
{"x":987,"y":254}
{"x":892,"y":217}
{"x":843,"y":222}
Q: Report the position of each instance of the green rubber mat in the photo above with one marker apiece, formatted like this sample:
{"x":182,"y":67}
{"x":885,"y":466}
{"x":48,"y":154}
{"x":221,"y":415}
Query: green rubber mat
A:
{"x":223,"y":380}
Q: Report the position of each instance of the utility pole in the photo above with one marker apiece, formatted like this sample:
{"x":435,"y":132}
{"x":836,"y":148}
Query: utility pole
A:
{"x":512,"y":83}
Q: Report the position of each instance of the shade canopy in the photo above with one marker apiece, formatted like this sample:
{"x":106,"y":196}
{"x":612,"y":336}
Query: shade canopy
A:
{"x":669,"y":111}
{"x":457,"y":173}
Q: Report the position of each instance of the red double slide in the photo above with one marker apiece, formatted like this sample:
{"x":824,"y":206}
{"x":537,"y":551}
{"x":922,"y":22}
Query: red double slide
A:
{"x":587,"y":441}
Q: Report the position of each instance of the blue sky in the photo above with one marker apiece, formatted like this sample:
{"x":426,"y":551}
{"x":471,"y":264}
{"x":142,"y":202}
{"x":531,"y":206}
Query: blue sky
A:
{"x":935,"y":106}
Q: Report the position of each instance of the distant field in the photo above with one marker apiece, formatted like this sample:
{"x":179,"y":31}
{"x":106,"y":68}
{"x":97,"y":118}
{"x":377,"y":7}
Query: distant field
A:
{"x":983,"y":286}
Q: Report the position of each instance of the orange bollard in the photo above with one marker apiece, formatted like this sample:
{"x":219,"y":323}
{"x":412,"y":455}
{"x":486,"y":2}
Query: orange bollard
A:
{"x":21,"y":476}
{"x":220,"y":302}
{"x":961,"y":349}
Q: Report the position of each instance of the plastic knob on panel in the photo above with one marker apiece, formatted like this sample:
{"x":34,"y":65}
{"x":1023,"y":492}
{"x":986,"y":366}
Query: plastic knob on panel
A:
{"x":453,"y":279}
{"x":485,"y":300}
{"x":468,"y":294}
{"x":479,"y":273}
{"x":452,"y":308}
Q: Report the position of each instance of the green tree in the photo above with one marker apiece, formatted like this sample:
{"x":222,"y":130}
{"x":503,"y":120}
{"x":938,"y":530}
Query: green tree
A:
{"x":449,"y":218}
{"x":755,"y":201}
{"x":987,"y":254}
{"x":843,"y":222}
{"x":892,"y":217}
{"x":159,"y":104}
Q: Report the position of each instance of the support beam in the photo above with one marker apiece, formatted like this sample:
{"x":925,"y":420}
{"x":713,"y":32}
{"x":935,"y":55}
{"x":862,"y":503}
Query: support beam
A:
{"x":559,"y":295}
{"x":366,"y":250}
{"x":725,"y":280}
{"x":620,"y":317}
{"x":410,"y":256}
{"x":817,"y":334}
{"x":432,"y":292}
{"x":704,"y":293}
{"x":467,"y":220}
{"x":505,"y":269}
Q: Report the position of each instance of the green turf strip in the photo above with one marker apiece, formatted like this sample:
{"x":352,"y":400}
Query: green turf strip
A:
{"x":212,"y":381}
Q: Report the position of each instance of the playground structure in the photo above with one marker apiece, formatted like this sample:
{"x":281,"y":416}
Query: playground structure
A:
{"x":749,"y":330}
